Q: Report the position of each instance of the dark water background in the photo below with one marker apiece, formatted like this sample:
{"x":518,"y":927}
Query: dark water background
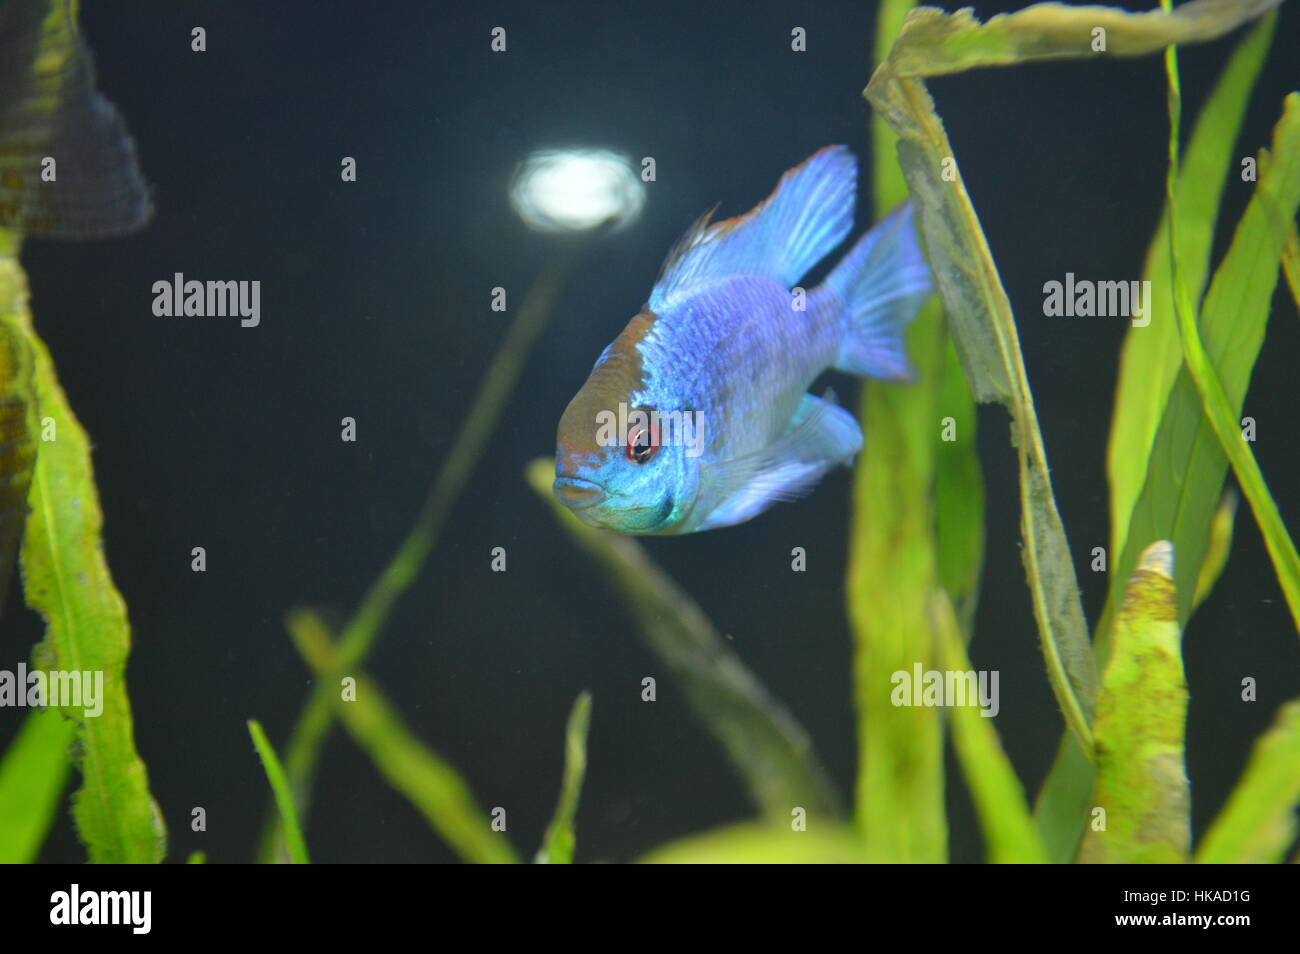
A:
{"x":375,"y":302}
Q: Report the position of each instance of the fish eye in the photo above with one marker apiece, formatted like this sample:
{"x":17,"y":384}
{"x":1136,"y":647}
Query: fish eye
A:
{"x":642,"y":444}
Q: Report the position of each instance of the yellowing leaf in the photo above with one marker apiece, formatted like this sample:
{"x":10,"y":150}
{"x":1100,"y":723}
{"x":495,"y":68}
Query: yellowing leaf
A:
{"x":1142,"y":784}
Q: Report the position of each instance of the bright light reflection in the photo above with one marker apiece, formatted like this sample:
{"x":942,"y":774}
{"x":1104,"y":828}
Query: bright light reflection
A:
{"x":569,"y":190}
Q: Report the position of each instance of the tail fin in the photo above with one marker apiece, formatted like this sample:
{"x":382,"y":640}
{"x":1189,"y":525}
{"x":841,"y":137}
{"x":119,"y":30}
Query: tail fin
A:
{"x":881,"y":283}
{"x":49,"y":107}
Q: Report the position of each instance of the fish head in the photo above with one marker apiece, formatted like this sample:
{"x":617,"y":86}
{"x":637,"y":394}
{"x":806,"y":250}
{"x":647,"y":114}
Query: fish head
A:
{"x":617,"y":464}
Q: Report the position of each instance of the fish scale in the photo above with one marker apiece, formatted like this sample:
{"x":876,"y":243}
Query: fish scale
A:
{"x":747,"y":376}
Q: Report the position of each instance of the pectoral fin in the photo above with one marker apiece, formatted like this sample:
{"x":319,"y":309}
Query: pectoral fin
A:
{"x":820,"y":435}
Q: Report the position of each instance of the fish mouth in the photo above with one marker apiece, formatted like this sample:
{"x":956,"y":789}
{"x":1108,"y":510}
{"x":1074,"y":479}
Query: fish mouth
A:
{"x":576,"y":493}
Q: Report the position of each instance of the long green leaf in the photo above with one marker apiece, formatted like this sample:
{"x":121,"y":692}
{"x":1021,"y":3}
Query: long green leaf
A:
{"x":362,"y":630}
{"x":19,"y":436}
{"x":558,"y":842}
{"x":1239,"y":301}
{"x":764,"y":844}
{"x":888,"y":187}
{"x":1152,"y":353}
{"x":426,"y":780}
{"x":770,"y":751}
{"x":66,"y":580}
{"x":1258,"y":823}
{"x":1291,"y":264}
{"x":1142,"y":784}
{"x":941,"y":43}
{"x":958,"y":491}
{"x":294,"y":841}
{"x":892,"y":569}
{"x":935,"y":43}
{"x":1217,"y":548}
{"x":917,"y":520}
{"x":1008,"y":826}
{"x":1184,"y":477}
{"x":33,"y":776}
{"x":52,"y":109}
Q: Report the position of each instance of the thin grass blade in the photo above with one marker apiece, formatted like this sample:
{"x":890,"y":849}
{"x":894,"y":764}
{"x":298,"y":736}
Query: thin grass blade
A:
{"x":33,"y":777}
{"x":1152,"y":354}
{"x":1009,"y":831}
{"x":294,"y":841}
{"x":430,"y":783}
{"x":558,"y":842}
{"x":1258,"y":822}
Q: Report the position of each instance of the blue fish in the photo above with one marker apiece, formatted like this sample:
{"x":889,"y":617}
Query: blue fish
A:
{"x":697,"y":416}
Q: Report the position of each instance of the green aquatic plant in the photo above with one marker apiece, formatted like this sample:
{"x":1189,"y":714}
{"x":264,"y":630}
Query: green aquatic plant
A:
{"x":52,"y":108}
{"x":1119,"y":790}
{"x":1142,"y":787}
{"x":1155,"y":440}
{"x":1140,"y":775}
{"x":67,"y":581}
{"x":361,"y":632}
{"x":999,"y":798}
{"x":770,"y":751}
{"x":918,"y":521}
{"x":296,"y":846}
{"x":933,"y":43}
{"x":558,"y":842}
{"x":425,"y":779}
{"x":1258,"y":823}
{"x":33,"y":775}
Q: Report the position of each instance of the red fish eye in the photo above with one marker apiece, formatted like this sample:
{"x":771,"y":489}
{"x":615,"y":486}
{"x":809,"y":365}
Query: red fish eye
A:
{"x":642,"y":444}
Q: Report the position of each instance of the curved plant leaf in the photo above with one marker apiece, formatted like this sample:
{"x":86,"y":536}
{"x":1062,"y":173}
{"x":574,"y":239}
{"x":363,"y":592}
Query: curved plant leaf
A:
{"x":66,"y":581}
{"x":917,"y":520}
{"x":770,"y":751}
{"x":1258,"y":823}
{"x":558,"y":842}
{"x":430,"y":783}
{"x":362,"y":630}
{"x":33,"y":776}
{"x":1152,"y":354}
{"x":1184,"y":477}
{"x":51,"y":108}
{"x":934,"y":43}
{"x":296,"y":844}
{"x":939,"y":43}
{"x":761,"y":843}
{"x":1008,"y":826}
{"x":1220,"y":349}
{"x":1217,"y":548}
{"x":892,"y":569}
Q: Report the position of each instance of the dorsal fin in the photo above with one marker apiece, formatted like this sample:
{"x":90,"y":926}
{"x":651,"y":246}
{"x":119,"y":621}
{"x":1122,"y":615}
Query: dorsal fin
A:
{"x":807,"y":215}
